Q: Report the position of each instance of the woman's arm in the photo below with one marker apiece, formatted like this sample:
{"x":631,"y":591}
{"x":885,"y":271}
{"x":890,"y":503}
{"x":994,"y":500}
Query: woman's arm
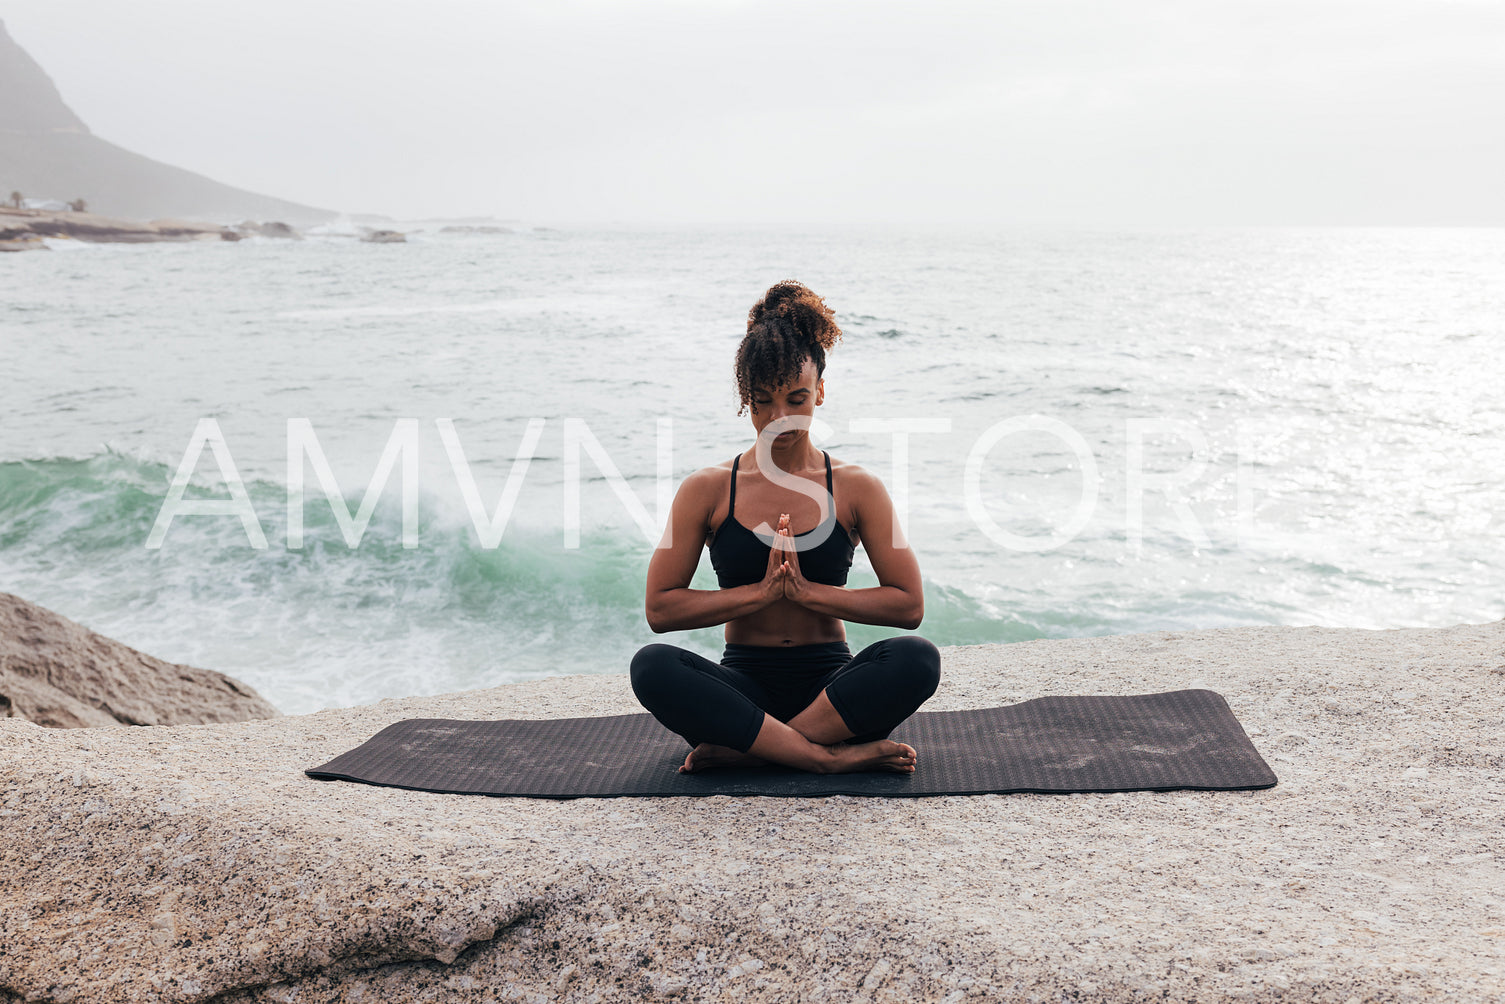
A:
{"x":899,"y":599}
{"x":670,"y":603}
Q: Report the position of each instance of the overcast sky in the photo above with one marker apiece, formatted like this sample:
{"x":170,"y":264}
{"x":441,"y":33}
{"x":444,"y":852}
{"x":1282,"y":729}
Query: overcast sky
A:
{"x":691,"y":111}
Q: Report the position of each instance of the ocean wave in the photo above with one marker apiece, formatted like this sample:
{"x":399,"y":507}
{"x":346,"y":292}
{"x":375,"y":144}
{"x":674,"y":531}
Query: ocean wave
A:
{"x":332,"y":625}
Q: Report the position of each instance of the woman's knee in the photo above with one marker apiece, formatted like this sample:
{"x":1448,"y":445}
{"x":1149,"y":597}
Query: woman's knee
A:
{"x":921,"y":662}
{"x":653,"y":670}
{"x":888,"y":683}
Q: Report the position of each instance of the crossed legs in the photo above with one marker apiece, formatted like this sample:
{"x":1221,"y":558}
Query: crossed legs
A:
{"x":813,"y":741}
{"x":720,"y":711}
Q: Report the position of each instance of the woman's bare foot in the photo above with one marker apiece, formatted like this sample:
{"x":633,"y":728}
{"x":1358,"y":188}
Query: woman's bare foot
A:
{"x":778,"y":742}
{"x":884,"y":754}
{"x":706,"y":755}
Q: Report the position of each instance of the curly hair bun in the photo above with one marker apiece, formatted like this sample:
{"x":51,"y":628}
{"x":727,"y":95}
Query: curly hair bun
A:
{"x":796,"y":305}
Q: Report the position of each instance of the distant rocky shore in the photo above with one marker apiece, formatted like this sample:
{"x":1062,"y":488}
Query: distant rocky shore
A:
{"x":191,"y":863}
{"x":25,"y":229}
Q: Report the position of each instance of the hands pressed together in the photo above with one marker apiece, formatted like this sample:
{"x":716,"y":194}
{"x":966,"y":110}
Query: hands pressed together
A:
{"x":783,"y":579}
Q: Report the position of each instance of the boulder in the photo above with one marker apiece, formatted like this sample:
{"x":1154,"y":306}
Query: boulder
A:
{"x":199,"y":863}
{"x":274,"y":228}
{"x":57,"y":673}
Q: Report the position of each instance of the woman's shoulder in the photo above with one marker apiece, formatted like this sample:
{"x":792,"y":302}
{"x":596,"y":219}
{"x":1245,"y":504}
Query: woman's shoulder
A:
{"x":848,"y":472}
{"x":707,"y":482}
{"x":856,"y":482}
{"x":715,"y":473}
{"x":700,"y":495}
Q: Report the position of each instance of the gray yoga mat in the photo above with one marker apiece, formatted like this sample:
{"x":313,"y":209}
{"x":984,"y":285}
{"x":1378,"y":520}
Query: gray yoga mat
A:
{"x":1147,"y":742}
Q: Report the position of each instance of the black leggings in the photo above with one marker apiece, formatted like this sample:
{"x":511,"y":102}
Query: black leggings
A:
{"x":724,"y":704}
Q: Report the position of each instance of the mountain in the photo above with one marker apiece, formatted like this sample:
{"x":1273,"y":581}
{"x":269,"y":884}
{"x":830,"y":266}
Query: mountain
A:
{"x":46,"y":151}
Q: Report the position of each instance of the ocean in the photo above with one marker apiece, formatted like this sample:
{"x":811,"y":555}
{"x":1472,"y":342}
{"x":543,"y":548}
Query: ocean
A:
{"x":1107,"y":432}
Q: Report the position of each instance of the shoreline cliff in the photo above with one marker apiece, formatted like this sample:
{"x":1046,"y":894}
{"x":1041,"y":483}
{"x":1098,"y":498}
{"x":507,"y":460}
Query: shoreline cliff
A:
{"x":197,"y":863}
{"x":47,"y":150}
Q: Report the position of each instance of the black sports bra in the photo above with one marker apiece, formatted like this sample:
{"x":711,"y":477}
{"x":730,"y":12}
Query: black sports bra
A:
{"x":740,"y":556}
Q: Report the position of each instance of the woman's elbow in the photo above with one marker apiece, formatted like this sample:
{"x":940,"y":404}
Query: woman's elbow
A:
{"x":915,"y":615}
{"x":660,"y":619}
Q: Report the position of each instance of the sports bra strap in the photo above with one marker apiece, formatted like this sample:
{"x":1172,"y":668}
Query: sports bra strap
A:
{"x":829,"y":490}
{"x":732,"y":506}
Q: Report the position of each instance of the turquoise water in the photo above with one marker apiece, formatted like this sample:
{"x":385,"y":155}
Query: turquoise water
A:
{"x":1328,"y":397}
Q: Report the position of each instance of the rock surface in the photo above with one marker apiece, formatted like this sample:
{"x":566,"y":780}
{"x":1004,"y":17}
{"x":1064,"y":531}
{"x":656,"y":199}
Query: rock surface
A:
{"x":21,"y":242}
{"x":31,"y":225}
{"x":57,"y":673}
{"x":199,"y":863}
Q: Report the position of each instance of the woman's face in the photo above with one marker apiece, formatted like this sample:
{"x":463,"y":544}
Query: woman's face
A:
{"x":797,"y":398}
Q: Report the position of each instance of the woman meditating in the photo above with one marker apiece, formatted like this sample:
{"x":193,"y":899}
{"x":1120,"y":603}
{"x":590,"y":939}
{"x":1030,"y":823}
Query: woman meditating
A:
{"x":788,"y":689}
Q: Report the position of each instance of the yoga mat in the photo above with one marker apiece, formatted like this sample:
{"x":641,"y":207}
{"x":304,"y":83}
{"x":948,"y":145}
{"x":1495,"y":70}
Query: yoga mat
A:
{"x":1146,"y":742}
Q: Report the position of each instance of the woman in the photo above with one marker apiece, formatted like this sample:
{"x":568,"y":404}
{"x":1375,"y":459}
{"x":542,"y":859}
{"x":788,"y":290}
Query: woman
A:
{"x":787,"y":689}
